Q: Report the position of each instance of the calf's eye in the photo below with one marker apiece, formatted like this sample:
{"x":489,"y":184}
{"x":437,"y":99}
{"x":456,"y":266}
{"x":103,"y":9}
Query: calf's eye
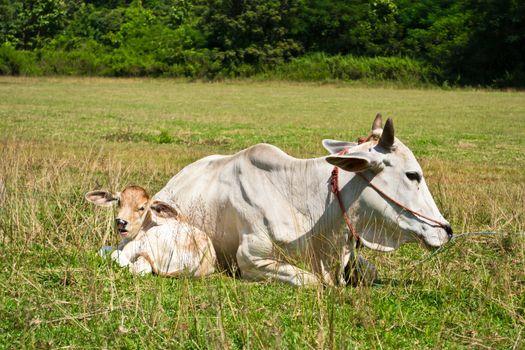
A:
{"x":414,"y":176}
{"x":142,"y":208}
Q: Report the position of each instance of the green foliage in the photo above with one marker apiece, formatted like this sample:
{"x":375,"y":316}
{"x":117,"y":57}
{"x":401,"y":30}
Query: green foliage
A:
{"x":495,"y":53}
{"x":144,"y":46}
{"x":77,"y":62}
{"x":463,"y":41}
{"x":357,"y":27}
{"x":94,"y":23}
{"x":438,"y":33}
{"x":322,"y":67}
{"x":17,"y":62}
{"x":256,"y":33}
{"x":40,"y":21}
{"x":10,"y":20}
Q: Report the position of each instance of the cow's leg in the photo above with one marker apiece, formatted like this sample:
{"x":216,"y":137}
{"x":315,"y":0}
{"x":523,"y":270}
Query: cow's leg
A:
{"x":267,"y":269}
{"x":257,"y":268}
{"x":329,"y":257}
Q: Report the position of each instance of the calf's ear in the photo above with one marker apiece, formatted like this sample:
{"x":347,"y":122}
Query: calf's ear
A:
{"x":163,"y":210}
{"x":355,"y":162}
{"x":102,"y":198}
{"x":335,"y":146}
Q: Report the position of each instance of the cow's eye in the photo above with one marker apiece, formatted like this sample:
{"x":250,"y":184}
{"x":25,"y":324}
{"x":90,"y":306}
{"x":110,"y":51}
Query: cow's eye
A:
{"x":142,"y":208}
{"x":414,"y":176}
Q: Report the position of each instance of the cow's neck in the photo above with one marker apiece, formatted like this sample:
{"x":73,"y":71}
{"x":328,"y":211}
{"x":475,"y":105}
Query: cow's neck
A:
{"x":314,"y":187}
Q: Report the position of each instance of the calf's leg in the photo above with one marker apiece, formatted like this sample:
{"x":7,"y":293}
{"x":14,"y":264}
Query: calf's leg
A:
{"x":141,"y":266}
{"x":120,"y":257}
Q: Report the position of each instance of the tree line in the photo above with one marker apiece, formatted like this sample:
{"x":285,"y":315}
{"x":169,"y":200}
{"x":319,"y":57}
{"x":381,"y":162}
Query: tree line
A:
{"x":461,"y":42}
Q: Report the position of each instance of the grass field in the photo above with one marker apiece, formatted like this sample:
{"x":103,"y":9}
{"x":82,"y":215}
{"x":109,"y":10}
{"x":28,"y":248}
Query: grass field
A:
{"x":61,"y":137}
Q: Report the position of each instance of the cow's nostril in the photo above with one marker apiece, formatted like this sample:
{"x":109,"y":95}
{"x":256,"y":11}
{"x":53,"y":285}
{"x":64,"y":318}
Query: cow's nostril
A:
{"x":121,"y":223}
{"x":449,"y":231}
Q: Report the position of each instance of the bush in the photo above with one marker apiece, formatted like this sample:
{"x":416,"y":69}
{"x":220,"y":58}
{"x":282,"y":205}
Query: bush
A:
{"x":76,"y":62}
{"x":17,"y":62}
{"x":312,"y":67}
{"x":92,"y":60}
{"x":319,"y":66}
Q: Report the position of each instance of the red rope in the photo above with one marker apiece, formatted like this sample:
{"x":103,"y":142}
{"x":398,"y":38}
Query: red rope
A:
{"x":401,"y":205}
{"x":334,"y":183}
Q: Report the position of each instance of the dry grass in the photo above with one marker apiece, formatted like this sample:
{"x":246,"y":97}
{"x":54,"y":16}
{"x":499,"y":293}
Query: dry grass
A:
{"x":61,"y":137}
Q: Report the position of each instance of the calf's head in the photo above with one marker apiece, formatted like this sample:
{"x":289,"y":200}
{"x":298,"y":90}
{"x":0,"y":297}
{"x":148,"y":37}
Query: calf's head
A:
{"x":136,"y":210}
{"x":387,"y":163}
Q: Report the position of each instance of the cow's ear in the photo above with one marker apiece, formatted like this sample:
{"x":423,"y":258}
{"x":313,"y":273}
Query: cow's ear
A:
{"x":163,"y":210}
{"x":355,"y":162}
{"x":103,"y":198}
{"x":335,"y":146}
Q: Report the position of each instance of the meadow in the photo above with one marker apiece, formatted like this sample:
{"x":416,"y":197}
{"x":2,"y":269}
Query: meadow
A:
{"x":62,"y":137}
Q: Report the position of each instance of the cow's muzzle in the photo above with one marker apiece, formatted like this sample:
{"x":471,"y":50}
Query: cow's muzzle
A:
{"x":448,"y":230}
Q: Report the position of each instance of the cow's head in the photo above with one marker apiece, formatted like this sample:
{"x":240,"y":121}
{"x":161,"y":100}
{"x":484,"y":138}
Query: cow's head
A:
{"x":136,"y":209}
{"x":385,"y":161}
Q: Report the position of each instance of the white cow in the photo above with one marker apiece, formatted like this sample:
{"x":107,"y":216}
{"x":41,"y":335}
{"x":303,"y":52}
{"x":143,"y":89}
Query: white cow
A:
{"x":154,"y":237}
{"x":276,"y":217}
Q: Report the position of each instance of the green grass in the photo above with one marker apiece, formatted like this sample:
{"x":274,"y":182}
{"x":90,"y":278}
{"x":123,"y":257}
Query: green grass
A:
{"x":61,"y":137}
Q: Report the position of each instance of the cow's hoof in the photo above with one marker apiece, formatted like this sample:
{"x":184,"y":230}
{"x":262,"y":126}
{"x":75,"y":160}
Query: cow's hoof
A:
{"x":359,"y":272}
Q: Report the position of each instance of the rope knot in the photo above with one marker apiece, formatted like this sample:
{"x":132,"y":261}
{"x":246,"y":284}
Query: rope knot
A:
{"x":361,"y":140}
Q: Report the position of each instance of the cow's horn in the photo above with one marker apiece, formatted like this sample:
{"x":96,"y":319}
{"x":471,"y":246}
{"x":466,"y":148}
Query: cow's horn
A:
{"x":378,"y":122}
{"x":387,"y":138}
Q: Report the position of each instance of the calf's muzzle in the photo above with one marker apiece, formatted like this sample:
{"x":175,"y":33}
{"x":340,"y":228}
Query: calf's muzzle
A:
{"x":121,"y":224}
